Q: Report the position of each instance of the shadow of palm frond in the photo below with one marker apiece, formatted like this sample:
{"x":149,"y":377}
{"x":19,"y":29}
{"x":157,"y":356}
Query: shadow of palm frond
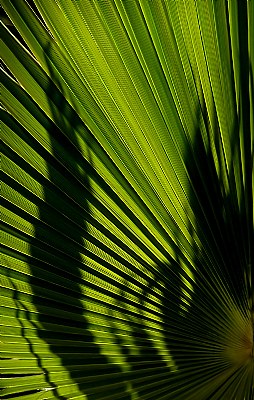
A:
{"x":210,"y":340}
{"x":63,"y":297}
{"x":60,"y":296}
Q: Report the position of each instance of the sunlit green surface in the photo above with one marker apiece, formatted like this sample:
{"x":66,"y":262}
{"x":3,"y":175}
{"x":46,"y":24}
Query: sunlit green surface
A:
{"x":127,"y":210}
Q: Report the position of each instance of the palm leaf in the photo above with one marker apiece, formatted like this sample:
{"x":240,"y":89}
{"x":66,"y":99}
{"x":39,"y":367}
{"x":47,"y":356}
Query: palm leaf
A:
{"x":127,"y":200}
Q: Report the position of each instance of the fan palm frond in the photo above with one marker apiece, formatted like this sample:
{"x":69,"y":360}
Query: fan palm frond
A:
{"x":127,"y":200}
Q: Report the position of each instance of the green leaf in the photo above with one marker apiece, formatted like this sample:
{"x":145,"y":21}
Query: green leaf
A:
{"x":127,"y":200}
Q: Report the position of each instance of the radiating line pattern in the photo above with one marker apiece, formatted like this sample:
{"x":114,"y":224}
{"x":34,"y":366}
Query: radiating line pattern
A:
{"x":127,"y":200}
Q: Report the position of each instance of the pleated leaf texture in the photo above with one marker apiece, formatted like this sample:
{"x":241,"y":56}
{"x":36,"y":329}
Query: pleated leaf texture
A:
{"x":127,"y":200}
